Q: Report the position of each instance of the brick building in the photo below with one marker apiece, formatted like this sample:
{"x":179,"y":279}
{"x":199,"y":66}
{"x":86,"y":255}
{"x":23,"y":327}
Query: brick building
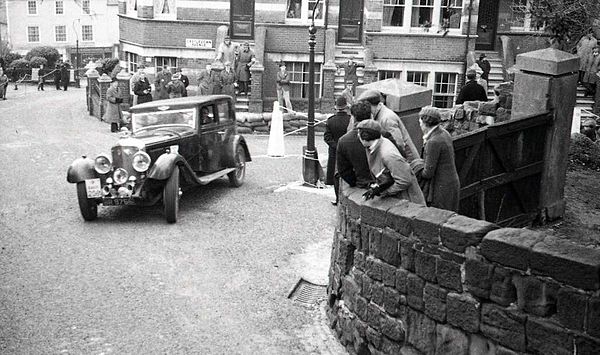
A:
{"x":420,"y":41}
{"x":60,"y":23}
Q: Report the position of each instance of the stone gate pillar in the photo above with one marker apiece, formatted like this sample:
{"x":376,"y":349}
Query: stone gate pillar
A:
{"x":104,"y":82}
{"x":255,"y":103}
{"x":547,"y":81}
{"x":370,"y":71}
{"x":328,"y":98}
{"x":92,"y":79}
{"x":123,"y":77}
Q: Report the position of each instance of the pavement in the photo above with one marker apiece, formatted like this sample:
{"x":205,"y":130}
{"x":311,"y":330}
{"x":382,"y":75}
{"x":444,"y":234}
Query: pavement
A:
{"x":216,"y":282}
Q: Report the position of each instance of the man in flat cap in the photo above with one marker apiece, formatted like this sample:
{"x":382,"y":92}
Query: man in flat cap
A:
{"x":390,"y":122}
{"x":335,"y":127}
{"x":471,"y":91}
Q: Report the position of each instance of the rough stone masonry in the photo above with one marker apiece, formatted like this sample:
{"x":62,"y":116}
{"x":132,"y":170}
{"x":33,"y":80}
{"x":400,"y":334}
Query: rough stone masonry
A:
{"x":407,"y":279}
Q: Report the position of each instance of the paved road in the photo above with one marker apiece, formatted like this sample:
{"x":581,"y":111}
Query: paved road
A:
{"x":214,"y":283}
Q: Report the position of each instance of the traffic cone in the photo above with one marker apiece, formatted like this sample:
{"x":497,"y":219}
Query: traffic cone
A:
{"x":276,"y":148}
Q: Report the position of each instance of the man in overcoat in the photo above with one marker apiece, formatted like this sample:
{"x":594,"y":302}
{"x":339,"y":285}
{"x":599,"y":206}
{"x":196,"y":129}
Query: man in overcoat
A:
{"x":65,"y":76}
{"x":471,"y":91}
{"x":245,"y":60}
{"x":160,"y":84}
{"x":335,"y":128}
{"x":204,"y":81}
{"x":113,"y":109}
{"x":228,"y":81}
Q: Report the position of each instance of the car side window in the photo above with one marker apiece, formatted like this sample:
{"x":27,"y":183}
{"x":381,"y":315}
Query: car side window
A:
{"x":207,"y":114}
{"x":223,"y":109}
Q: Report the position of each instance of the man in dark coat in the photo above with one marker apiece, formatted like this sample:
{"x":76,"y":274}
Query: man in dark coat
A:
{"x":471,"y":91}
{"x":57,"y":75}
{"x":350,"y":74}
{"x":351,"y":157}
{"x":142,"y":89}
{"x":335,"y":127}
{"x":245,"y":60}
{"x":64,"y":76}
{"x":185,"y":80}
{"x":485,"y":66}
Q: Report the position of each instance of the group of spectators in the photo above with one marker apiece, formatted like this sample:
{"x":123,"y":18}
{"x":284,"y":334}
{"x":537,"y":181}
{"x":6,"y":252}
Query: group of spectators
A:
{"x":589,"y":70}
{"x":60,"y":73}
{"x":370,"y":148}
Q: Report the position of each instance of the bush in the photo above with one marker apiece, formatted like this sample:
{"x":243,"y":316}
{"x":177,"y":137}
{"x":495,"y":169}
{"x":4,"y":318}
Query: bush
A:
{"x":11,"y":57}
{"x":19,"y":63}
{"x":583,"y":152}
{"x":50,"y":53}
{"x":107,"y":65}
{"x":37,"y":62}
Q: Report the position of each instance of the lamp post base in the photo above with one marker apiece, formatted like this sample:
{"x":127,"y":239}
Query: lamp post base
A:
{"x":311,"y":167}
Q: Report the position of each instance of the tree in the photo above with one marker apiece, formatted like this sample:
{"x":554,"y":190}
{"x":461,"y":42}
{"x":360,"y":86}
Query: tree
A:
{"x":565,"y":20}
{"x":107,"y":66}
{"x":19,"y":64}
{"x":50,"y":53}
{"x":37,"y":62}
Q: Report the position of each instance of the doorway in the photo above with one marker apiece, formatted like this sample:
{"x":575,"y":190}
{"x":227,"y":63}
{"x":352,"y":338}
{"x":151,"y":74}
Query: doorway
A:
{"x":487,"y":25}
{"x":242,"y":19}
{"x":351,"y":16}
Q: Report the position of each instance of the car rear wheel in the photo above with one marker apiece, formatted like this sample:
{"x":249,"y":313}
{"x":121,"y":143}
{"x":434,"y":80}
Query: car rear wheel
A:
{"x":87,"y":206}
{"x":236,"y":177}
{"x":171,"y":197}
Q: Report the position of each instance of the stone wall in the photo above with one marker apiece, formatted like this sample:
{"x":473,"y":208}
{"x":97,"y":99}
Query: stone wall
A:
{"x":407,"y":279}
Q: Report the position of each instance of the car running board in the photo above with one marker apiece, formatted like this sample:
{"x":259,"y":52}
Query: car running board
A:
{"x":204,"y":180}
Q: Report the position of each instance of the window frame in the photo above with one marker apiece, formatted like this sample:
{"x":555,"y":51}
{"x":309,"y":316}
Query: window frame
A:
{"x":29,"y":8}
{"x":421,"y":74}
{"x":404,"y":9}
{"x":56,"y":33}
{"x":132,"y":65}
{"x":301,"y":85}
{"x":435,"y":93}
{"x":436,"y":18}
{"x":390,"y":74}
{"x":171,"y":15}
{"x":56,"y":7}
{"x":29,"y":35}
{"x":87,"y":11}
{"x":305,"y":13}
{"x":83,"y":33}
{"x":163,"y":60}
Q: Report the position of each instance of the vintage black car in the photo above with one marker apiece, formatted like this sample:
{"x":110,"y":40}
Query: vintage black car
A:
{"x":172,"y":144}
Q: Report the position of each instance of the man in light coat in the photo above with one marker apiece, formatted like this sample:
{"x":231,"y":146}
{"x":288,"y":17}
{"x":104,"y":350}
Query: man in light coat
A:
{"x":113,"y":105}
{"x":283,"y":87}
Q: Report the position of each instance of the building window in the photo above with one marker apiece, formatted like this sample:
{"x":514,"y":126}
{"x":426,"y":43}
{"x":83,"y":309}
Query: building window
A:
{"x":164,"y":8}
{"x":393,"y":13}
{"x":161,"y":62}
{"x":85,"y":6}
{"x":389,"y":74}
{"x":132,"y":61}
{"x":444,"y":89}
{"x":32,"y":7}
{"x":513,"y":15}
{"x":60,"y":33}
{"x":59,"y":7}
{"x":417,"y":77}
{"x":86,"y":33}
{"x":299,"y":79}
{"x":303,"y":9}
{"x":33,"y":34}
{"x":451,"y":13}
{"x":422,"y":13}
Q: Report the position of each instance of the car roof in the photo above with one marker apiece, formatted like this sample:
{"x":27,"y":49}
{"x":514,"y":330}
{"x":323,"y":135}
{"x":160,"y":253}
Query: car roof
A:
{"x":180,"y":102}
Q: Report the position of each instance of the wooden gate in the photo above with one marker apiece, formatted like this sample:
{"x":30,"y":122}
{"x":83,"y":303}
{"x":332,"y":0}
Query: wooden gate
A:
{"x":500,"y":170}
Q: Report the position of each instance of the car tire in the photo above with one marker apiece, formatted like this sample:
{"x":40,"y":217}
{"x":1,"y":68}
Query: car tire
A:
{"x":236,"y":177}
{"x":171,"y":196}
{"x":87,"y":206}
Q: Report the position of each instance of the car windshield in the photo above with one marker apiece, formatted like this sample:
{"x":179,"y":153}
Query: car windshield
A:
{"x":185,"y":118}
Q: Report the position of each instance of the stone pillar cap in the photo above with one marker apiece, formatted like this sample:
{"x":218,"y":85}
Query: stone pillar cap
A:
{"x":400,"y":95}
{"x":548,"y":61}
{"x":123,"y":75}
{"x":104,"y":78}
{"x":92,"y":73}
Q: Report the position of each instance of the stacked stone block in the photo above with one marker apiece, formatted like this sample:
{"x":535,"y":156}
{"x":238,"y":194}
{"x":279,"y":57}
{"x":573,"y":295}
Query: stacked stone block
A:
{"x":406,"y":279}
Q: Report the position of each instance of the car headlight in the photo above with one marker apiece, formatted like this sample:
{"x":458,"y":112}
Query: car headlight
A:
{"x":141,"y":162}
{"x":120,"y":176}
{"x":102,"y":164}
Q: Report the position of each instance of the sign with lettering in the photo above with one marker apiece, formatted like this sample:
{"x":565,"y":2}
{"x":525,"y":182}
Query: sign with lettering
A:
{"x":198,"y":43}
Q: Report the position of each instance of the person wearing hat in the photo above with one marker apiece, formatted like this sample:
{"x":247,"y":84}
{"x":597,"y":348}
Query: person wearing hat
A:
{"x":589,"y":128}
{"x":335,"y":128}
{"x":65,"y":76}
{"x":471,"y":91}
{"x":485,"y":66}
{"x":228,"y":81}
{"x":394,"y":176}
{"x":185,"y":80}
{"x":440,"y":182}
{"x":175,"y":87}
{"x":390,"y":122}
{"x":226,"y":51}
{"x":351,"y":157}
{"x":113,"y":106}
{"x":142,"y":89}
{"x":245,"y":60}
{"x":481,"y":81}
{"x":283,"y":87}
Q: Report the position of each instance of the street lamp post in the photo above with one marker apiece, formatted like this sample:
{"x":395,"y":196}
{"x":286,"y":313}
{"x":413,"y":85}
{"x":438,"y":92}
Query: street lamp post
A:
{"x":76,"y":74}
{"x":311,"y":161}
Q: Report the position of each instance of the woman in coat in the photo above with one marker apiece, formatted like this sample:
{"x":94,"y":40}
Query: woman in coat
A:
{"x":228,"y":81}
{"x":392,"y":172}
{"x":439,"y":173}
{"x":113,"y":106}
{"x":142,"y":89}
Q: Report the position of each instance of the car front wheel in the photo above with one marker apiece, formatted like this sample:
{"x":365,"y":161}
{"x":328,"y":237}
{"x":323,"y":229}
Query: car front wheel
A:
{"x":236,"y":177}
{"x":171,"y":197}
{"x":87,"y":206}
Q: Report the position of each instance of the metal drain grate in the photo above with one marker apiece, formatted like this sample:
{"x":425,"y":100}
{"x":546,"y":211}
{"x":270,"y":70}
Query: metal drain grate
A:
{"x":308,"y":293}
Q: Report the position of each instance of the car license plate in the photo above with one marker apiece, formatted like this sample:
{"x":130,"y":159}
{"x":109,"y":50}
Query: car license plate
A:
{"x":92,"y":188}
{"x":117,"y":201}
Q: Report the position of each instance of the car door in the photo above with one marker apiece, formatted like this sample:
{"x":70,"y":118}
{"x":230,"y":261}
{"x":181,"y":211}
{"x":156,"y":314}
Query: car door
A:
{"x":226,"y":129}
{"x":210,"y":139}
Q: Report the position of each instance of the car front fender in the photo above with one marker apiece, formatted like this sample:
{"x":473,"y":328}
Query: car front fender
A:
{"x":164,"y":165}
{"x":80,"y":170}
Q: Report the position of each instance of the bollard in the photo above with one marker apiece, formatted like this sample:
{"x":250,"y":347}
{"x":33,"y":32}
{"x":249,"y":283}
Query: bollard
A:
{"x":276,"y":148}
